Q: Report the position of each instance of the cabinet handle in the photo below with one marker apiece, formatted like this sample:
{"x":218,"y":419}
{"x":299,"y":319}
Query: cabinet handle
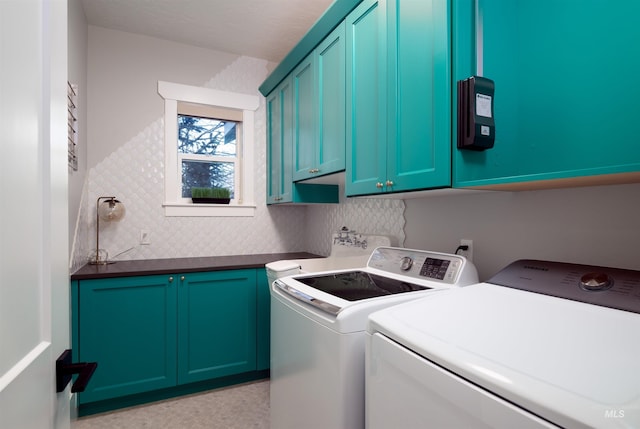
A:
{"x":182,"y":278}
{"x":277,"y":199}
{"x":379,"y":185}
{"x":389,"y":183}
{"x":170,"y":279}
{"x":314,"y":170}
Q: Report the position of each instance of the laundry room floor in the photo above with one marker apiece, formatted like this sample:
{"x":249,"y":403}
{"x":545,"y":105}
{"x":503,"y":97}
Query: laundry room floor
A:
{"x":239,"y":407}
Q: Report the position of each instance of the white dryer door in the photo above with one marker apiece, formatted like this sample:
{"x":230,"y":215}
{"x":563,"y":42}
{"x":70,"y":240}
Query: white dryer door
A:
{"x":405,"y":390}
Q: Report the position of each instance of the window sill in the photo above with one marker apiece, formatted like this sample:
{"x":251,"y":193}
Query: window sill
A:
{"x":208,"y":210}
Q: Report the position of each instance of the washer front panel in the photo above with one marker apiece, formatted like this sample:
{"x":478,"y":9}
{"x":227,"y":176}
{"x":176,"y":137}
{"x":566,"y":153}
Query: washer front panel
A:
{"x":419,"y":264}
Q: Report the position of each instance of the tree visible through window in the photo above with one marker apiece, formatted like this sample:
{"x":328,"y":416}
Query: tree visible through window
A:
{"x":207,"y":152}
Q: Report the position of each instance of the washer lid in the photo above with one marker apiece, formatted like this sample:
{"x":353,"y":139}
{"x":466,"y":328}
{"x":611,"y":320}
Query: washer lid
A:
{"x":571,"y":363}
{"x":358,"y":285}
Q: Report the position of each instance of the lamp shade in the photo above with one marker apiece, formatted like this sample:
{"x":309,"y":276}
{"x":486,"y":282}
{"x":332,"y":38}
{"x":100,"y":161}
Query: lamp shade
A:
{"x":111,"y":210}
{"x":108,"y":209}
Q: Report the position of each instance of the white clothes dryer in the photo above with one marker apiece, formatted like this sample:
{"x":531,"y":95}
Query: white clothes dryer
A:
{"x":542,"y":344}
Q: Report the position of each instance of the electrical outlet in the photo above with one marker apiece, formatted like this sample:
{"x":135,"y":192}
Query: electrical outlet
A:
{"x":469,"y":252}
{"x":144,"y":237}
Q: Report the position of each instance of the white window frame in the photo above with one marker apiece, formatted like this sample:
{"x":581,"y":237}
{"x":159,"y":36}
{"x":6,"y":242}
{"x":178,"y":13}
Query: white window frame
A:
{"x":174,"y":204}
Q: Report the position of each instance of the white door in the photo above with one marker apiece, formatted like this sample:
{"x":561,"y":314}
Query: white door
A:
{"x":34,"y":274}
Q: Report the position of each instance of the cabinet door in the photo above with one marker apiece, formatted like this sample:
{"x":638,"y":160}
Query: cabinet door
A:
{"x":565,"y":97}
{"x":279,"y":143}
{"x":330,"y":63}
{"x":216,"y":324}
{"x":304,"y":120}
{"x":419,"y":94}
{"x":274,"y":147}
{"x":263,"y":320}
{"x":128,"y":326}
{"x":366,"y":99}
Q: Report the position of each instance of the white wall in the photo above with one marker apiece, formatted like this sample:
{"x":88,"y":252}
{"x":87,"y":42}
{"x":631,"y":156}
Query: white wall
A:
{"x":593,"y":225}
{"x":77,"y":74}
{"x":124,"y":69}
{"x":126,"y":144}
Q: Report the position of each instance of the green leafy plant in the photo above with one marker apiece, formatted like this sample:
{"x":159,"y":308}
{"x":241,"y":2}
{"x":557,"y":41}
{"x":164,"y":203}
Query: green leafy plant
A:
{"x":210,"y":193}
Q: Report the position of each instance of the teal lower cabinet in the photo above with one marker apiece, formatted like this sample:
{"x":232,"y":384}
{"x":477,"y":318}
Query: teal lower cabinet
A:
{"x":127,"y":325}
{"x":216,"y":324}
{"x":264,"y":321}
{"x":159,"y":336}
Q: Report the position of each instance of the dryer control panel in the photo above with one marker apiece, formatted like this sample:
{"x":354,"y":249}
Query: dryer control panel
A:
{"x":608,"y":287}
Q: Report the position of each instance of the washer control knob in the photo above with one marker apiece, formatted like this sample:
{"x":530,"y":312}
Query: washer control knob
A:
{"x":406,"y":263}
{"x":595,"y":281}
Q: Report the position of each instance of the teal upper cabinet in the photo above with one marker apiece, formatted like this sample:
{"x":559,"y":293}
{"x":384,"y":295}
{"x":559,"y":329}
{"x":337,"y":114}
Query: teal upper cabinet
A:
{"x":366,"y":99}
{"x":334,"y":15}
{"x":419,"y":94}
{"x":398,"y":97}
{"x":304,"y":117}
{"x":279,"y":143}
{"x":331,"y":75}
{"x":566,"y":101}
{"x":280,"y":131}
{"x":319,"y":107}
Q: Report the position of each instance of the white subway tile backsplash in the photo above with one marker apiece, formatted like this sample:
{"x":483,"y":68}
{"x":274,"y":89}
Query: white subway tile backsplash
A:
{"x":378,"y":216}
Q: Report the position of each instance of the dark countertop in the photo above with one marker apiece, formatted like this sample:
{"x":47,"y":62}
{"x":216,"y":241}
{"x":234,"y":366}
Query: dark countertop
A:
{"x":144,"y":267}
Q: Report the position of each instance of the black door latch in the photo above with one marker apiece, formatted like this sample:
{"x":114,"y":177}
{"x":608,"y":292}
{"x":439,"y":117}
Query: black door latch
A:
{"x":65,"y":369}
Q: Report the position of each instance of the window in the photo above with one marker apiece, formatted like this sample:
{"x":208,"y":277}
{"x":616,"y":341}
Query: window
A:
{"x":208,"y":143}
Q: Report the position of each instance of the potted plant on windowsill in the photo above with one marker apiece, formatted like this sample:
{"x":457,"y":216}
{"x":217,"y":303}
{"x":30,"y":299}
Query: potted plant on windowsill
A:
{"x":210,"y":195}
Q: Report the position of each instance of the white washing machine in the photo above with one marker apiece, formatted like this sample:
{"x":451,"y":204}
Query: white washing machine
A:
{"x":318,"y":331}
{"x":540,"y":345}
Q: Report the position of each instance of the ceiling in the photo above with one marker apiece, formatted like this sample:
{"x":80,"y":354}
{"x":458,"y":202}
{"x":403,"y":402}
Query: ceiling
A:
{"x":265,"y":29}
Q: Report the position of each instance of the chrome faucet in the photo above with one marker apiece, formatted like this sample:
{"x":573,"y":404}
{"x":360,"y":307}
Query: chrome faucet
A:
{"x":346,"y":237}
